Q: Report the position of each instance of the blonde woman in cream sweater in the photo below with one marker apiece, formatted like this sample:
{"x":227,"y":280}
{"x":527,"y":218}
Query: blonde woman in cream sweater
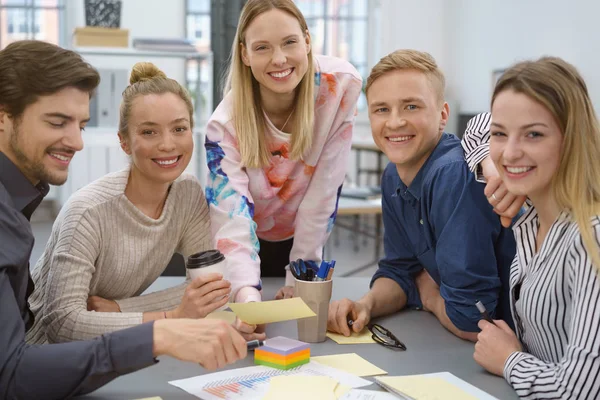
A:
{"x":115,"y":237}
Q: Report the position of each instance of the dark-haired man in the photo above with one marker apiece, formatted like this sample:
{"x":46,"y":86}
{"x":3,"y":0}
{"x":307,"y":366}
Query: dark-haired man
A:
{"x":44,"y":105}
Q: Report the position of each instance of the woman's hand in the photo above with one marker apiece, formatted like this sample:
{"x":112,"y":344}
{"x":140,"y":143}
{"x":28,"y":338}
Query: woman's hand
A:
{"x":286,"y":292}
{"x":506,"y":204}
{"x":202,"y":296}
{"x":100,"y":304}
{"x":250,"y":332}
{"x":495,"y":343}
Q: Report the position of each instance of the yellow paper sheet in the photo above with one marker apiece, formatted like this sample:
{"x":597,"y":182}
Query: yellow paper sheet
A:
{"x":351,"y":363}
{"x":272,"y":311}
{"x":227,"y":316}
{"x":424,"y":388}
{"x":298,"y":387}
{"x":356,"y":338}
{"x":341,"y":390}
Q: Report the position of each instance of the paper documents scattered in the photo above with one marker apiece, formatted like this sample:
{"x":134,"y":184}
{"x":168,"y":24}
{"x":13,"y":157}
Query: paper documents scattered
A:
{"x":272,"y":311}
{"x":361,"y":394}
{"x":356,"y":338}
{"x":299,"y":387}
{"x":351,"y":363}
{"x":254,"y":382}
{"x":438,"y":386}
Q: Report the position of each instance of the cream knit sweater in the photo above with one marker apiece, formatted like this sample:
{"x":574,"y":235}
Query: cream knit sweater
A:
{"x":102,"y":245}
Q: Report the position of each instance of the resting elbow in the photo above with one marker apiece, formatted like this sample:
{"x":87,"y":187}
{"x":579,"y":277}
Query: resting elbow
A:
{"x":59,"y":327}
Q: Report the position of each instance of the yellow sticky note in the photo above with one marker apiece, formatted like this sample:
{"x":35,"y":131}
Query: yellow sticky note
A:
{"x":356,"y":338}
{"x":351,"y":363}
{"x":272,"y":311}
{"x":424,"y":387}
{"x":227,"y":316}
{"x":299,"y":387}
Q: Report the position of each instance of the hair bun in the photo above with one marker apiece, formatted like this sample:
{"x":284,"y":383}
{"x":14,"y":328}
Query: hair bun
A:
{"x":145,"y":71}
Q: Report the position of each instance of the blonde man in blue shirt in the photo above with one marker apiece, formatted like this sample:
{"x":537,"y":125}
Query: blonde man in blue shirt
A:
{"x":445,"y":248}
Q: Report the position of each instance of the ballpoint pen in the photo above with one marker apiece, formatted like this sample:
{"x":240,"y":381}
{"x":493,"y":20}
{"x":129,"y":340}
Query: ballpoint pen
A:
{"x":253,"y":344}
{"x":484,"y":312}
{"x":322,"y":272}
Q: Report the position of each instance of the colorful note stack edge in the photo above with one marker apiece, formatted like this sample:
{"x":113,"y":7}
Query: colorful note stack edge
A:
{"x":282,"y":353}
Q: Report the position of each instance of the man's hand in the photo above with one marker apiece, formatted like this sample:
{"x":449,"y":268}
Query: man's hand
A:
{"x":250,"y":332}
{"x":286,"y":292}
{"x":202,"y":296}
{"x":343,"y":310}
{"x":495,"y":343}
{"x":429,"y":291}
{"x":100,"y":304}
{"x":209,"y":342}
{"x":506,"y":204}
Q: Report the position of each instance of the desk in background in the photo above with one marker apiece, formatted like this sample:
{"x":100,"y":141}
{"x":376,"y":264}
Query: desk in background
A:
{"x":430,"y":348}
{"x":368,"y":146}
{"x":357,"y":207}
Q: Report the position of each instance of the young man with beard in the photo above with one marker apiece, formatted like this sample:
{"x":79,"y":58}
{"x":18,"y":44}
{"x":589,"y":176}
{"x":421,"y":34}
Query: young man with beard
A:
{"x":44,"y":106}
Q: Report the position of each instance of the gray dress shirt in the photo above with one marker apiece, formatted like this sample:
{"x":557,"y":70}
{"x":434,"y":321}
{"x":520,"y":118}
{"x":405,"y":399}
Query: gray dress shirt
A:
{"x":55,"y":371}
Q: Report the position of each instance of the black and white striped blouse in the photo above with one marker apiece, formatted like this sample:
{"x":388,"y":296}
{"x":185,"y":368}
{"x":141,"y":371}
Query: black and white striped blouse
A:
{"x":555,"y":300}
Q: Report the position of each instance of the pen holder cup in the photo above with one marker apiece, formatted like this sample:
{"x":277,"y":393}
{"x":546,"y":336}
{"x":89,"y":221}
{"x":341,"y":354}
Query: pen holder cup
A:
{"x":317,"y":296}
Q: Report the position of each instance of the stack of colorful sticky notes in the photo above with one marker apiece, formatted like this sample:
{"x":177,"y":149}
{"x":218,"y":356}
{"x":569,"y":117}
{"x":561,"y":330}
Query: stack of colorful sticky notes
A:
{"x":282,"y":353}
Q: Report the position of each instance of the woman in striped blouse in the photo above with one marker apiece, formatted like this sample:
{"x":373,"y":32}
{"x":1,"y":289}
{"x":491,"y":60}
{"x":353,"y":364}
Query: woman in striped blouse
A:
{"x":544,"y":141}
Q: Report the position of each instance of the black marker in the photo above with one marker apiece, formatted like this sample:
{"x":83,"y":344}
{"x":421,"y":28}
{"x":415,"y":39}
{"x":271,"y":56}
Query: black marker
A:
{"x":350,"y":322}
{"x":484,"y":312}
{"x":253,"y":344}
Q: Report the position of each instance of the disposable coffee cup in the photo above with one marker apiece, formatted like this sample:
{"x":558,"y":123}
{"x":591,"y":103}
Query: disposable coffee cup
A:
{"x":206,"y":262}
{"x":317,"y":296}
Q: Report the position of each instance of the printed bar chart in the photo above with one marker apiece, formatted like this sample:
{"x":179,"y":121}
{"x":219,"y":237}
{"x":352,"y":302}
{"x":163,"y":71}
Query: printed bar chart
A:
{"x":253,"y":382}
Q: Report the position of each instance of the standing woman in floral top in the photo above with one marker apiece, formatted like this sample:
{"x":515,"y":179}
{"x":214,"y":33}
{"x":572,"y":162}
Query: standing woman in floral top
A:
{"x":277,"y":147}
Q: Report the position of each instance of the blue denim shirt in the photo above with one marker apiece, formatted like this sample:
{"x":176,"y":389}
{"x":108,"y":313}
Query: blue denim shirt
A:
{"x":444,"y":223}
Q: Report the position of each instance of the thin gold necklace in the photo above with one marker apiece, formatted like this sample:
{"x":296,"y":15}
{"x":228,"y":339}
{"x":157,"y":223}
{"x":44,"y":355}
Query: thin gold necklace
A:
{"x":288,"y":118}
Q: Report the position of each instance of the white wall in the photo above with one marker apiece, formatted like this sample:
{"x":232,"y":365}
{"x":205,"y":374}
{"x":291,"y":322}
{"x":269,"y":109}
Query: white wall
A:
{"x":472,"y":38}
{"x":495,"y":34}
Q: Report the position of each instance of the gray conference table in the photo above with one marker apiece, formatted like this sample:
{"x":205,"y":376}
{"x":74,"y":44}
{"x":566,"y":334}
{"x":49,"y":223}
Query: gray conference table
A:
{"x":430,"y":348}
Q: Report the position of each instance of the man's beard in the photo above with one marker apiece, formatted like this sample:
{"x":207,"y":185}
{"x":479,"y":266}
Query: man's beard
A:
{"x":32,"y":168}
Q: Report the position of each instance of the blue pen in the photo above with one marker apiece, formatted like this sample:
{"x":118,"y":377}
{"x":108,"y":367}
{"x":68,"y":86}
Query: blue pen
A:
{"x":322,"y":272}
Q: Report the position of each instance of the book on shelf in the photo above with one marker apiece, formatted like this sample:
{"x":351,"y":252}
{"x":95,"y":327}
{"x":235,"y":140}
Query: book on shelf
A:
{"x":362,"y":192}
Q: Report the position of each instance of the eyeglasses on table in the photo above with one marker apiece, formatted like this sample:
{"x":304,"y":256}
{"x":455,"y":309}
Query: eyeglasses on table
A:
{"x":385,"y":338}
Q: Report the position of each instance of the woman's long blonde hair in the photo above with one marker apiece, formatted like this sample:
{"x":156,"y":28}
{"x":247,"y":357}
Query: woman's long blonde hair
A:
{"x":558,"y":86}
{"x":249,"y":119}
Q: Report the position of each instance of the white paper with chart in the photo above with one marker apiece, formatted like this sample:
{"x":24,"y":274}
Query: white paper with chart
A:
{"x":253,"y":382}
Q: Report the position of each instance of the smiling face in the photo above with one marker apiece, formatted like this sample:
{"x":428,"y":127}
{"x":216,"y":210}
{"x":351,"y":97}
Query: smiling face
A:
{"x":407,"y":118}
{"x":160,"y":137}
{"x":525,"y":145}
{"x":276,"y":50}
{"x":44,"y":139}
